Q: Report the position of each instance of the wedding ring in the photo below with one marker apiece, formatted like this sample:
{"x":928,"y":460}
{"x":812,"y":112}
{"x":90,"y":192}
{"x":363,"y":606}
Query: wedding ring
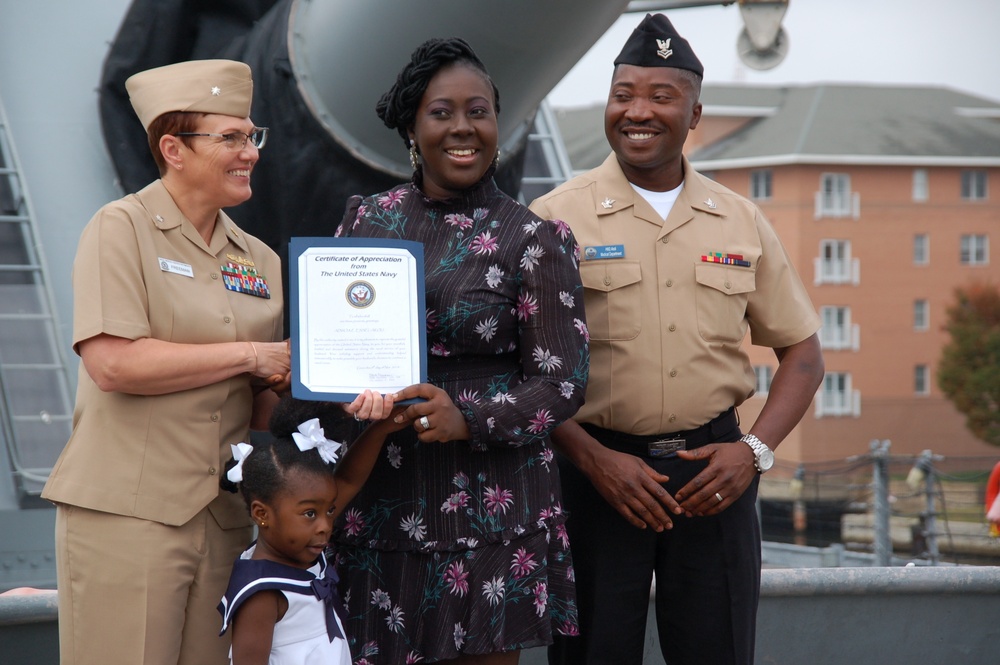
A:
{"x":719,"y":497}
{"x":426,"y":424}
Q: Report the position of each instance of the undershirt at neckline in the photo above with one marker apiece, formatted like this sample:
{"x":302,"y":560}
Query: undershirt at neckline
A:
{"x":662,"y":202}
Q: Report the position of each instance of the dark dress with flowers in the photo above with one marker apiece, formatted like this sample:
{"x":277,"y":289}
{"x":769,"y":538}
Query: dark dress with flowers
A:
{"x":460,"y":547}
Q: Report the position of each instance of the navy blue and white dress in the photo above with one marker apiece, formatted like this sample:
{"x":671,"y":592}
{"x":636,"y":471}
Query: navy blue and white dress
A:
{"x":311,"y":632}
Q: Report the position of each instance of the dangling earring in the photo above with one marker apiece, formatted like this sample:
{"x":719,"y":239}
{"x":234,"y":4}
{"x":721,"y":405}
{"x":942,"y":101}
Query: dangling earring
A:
{"x":496,"y":160}
{"x":414,"y":155}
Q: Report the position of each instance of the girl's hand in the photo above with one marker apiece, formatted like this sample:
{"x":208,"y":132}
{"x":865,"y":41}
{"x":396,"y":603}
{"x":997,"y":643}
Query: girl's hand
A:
{"x":281,"y":384}
{"x":436,"y":418}
{"x":389,"y":425}
{"x":371,"y":405}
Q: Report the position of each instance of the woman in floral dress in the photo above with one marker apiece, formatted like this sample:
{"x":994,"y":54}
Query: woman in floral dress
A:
{"x":456,"y":549}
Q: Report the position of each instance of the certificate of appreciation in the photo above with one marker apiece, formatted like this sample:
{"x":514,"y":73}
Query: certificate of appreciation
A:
{"x":357,"y":316}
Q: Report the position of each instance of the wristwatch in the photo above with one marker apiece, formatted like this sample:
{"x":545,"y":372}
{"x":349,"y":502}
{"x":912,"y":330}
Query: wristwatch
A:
{"x":763,"y":458}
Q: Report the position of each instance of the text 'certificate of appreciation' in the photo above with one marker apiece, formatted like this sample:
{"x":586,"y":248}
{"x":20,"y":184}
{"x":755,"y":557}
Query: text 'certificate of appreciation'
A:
{"x":357,"y":317}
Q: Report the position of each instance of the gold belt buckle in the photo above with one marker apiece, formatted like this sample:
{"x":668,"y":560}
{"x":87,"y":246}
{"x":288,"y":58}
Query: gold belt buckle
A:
{"x":665,"y":447}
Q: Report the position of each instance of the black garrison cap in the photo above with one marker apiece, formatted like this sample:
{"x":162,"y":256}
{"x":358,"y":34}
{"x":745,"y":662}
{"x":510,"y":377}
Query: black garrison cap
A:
{"x":655,"y":43}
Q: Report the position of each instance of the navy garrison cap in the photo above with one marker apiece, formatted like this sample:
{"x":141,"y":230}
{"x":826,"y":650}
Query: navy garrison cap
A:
{"x":655,"y":43}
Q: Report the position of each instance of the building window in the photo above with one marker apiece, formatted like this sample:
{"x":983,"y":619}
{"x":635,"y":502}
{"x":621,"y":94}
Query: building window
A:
{"x":834,"y":198}
{"x":975,"y":250}
{"x":921,"y":249}
{"x":920,"y":188}
{"x":837,"y":331}
{"x":760,"y":185}
{"x":921,"y":315}
{"x":836,"y":397}
{"x":764,"y":374}
{"x":974,"y":185}
{"x":921,"y":380}
{"x":835,"y":265}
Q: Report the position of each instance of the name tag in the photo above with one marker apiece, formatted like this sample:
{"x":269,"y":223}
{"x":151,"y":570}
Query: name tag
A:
{"x":594,"y":252}
{"x":176,"y":267}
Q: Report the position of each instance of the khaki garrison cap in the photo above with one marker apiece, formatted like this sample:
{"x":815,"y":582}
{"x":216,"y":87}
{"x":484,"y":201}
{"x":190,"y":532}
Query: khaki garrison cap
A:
{"x":206,"y":86}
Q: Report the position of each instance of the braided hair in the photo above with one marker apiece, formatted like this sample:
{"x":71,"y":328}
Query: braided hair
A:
{"x":266,"y":469}
{"x":398,"y":107}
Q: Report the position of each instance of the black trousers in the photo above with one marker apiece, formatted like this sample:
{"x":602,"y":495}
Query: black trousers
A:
{"x":707,"y":578}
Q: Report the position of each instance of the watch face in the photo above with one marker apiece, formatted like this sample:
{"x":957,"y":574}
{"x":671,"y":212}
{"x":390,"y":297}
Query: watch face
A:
{"x":765,"y":460}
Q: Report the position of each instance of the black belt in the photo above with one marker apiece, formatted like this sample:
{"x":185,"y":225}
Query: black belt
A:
{"x":664,"y":445}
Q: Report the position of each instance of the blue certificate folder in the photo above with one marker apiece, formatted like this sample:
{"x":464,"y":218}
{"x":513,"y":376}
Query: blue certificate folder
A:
{"x":358,"y":316}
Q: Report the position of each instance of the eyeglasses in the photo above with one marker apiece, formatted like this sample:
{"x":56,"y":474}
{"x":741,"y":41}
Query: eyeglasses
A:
{"x":237,"y":140}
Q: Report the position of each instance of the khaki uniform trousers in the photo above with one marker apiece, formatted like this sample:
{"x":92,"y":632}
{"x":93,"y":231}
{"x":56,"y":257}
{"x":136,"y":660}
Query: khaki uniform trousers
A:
{"x":132,"y":591}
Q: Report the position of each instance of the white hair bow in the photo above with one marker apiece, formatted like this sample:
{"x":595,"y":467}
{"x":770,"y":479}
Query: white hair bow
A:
{"x":240,"y":453}
{"x":310,"y":435}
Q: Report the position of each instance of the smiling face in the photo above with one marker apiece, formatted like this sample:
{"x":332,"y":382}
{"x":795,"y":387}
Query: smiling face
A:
{"x":455,"y":130}
{"x":649,"y":113}
{"x":298,"y":521}
{"x":216,"y":174}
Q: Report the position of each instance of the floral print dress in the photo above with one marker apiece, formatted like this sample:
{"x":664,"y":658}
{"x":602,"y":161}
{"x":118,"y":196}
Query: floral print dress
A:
{"x":460,"y":547}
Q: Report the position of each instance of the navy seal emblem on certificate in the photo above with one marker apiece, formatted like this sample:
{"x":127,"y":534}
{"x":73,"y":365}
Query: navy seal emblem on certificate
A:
{"x":358,"y":316}
{"x":360,"y":294}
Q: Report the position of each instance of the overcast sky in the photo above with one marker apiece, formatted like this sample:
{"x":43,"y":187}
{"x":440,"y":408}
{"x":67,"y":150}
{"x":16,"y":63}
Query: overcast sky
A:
{"x":951,"y":43}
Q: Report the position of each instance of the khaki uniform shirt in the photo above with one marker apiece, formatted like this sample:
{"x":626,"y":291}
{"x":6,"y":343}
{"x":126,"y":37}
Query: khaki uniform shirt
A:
{"x":665,"y":324}
{"x":142,"y":270}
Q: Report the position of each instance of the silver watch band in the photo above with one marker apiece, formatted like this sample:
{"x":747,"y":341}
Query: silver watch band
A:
{"x":763,"y":457}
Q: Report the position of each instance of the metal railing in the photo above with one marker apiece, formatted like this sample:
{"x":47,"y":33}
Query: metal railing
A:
{"x":35,"y":396}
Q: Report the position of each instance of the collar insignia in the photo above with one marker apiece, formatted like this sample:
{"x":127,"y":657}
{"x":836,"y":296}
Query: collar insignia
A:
{"x":607,"y":203}
{"x":710,"y":203}
{"x":663,"y":48}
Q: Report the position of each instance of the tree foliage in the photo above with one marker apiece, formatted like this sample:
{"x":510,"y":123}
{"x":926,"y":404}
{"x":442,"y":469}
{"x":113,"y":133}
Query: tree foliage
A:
{"x":969,"y":371}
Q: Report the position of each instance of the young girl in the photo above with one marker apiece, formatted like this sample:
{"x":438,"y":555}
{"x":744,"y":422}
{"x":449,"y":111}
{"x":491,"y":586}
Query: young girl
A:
{"x":282,"y":599}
